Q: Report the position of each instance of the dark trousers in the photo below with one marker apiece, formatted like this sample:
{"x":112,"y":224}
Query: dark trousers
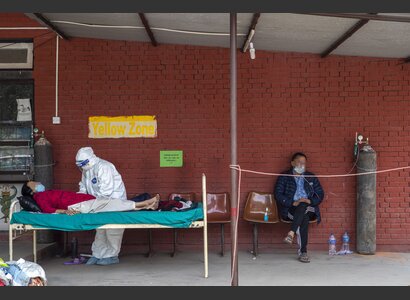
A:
{"x":301,"y":220}
{"x":141,"y":197}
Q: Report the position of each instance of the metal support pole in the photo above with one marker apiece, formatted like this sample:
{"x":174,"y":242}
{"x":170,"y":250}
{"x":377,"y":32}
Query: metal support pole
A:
{"x":149,"y":254}
{"x":175,"y":243}
{"x":205,"y":208}
{"x":57,"y":49}
{"x":255,"y":240}
{"x":35,"y":246}
{"x":11,"y":231}
{"x":10,"y":239}
{"x":234,"y":160}
{"x":222,"y":239}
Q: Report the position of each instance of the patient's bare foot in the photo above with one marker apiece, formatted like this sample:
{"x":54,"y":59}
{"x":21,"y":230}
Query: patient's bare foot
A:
{"x":148,"y":204}
{"x":144,"y":203}
{"x":155,"y":202}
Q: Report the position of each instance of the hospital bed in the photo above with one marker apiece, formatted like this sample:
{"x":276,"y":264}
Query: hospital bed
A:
{"x":26,"y":221}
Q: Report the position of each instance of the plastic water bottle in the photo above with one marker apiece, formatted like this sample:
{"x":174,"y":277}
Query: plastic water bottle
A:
{"x":332,"y":244}
{"x":345,"y":245}
{"x":265,"y":217}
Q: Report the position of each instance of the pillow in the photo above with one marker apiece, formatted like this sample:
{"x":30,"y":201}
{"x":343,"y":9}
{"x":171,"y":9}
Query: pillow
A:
{"x":28,"y":204}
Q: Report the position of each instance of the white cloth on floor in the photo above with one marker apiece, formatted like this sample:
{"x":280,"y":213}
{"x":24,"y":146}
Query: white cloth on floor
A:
{"x":4,"y":278}
{"x":103,"y":205}
{"x":23,"y":271}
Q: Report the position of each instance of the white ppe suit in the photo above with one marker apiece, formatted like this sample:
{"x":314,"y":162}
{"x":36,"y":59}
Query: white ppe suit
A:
{"x":101,"y":179}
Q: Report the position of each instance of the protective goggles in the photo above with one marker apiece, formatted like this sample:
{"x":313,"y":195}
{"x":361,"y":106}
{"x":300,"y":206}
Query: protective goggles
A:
{"x":82,"y":163}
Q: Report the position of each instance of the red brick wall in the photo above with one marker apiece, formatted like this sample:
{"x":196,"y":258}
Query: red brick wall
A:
{"x":286,"y":102}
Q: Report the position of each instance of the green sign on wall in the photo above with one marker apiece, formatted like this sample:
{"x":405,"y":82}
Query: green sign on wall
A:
{"x":169,"y":159}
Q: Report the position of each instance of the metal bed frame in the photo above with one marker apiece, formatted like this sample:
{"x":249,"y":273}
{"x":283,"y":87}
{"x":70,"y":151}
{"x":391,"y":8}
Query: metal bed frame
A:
{"x":13,"y":228}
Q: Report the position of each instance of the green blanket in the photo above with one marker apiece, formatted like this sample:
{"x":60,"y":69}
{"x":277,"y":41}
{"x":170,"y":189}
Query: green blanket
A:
{"x":179,"y":219}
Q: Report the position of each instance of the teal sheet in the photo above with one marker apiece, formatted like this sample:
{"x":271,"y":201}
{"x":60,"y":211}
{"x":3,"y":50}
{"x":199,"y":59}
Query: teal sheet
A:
{"x":180,"y":219}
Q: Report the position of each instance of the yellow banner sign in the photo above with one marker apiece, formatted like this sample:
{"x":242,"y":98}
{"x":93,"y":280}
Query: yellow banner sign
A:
{"x":122,"y":127}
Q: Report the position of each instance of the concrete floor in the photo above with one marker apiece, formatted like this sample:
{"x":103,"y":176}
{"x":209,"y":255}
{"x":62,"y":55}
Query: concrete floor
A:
{"x":276,"y":267}
{"x":24,"y":249}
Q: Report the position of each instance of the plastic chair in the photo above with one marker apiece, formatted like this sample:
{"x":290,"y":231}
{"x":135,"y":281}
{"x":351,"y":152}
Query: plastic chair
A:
{"x":219,"y":212}
{"x":255,"y":209}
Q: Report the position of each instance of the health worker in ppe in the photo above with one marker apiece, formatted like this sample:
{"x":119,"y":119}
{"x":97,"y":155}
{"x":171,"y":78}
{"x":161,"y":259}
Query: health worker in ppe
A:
{"x":101,"y":179}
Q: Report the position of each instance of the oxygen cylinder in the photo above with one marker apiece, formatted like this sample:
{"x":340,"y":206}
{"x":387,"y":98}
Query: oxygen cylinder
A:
{"x":43,"y":172}
{"x":366,"y":202}
{"x":74,"y":248}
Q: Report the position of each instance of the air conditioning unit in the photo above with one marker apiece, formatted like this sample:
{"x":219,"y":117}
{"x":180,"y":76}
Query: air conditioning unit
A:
{"x":16,"y":55}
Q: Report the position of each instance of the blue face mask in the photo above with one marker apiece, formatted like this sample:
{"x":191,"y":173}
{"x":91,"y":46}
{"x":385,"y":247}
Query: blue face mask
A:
{"x":40,"y":188}
{"x":299,"y":169}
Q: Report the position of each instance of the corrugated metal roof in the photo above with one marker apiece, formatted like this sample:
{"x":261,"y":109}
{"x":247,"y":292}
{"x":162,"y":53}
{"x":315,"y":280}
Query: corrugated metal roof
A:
{"x":274,"y":31}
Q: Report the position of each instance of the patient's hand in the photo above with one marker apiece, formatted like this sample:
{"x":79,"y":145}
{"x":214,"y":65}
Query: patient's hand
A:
{"x":71,"y":212}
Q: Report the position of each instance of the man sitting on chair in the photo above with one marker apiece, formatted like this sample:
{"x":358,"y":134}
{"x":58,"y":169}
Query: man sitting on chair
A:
{"x":298,"y":198}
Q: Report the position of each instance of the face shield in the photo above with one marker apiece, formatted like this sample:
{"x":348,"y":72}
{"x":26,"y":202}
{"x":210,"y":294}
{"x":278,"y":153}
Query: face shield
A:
{"x":83,"y":165}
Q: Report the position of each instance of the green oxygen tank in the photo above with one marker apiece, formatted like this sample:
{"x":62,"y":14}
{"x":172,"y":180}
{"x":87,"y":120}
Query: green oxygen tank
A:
{"x":43,"y":172}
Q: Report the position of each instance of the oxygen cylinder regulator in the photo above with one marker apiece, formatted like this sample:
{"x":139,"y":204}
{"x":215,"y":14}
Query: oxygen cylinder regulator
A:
{"x":359,"y":141}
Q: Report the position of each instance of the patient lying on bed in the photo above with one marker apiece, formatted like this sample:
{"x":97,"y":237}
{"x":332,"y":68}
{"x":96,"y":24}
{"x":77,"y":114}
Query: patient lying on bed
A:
{"x":67,"y":202}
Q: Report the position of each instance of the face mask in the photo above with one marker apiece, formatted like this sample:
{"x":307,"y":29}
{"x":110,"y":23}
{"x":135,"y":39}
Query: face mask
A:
{"x":86,"y":167}
{"x":299,"y":169}
{"x":40,"y":188}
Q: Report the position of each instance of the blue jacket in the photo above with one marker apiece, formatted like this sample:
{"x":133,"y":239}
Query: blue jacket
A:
{"x":285,"y":189}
